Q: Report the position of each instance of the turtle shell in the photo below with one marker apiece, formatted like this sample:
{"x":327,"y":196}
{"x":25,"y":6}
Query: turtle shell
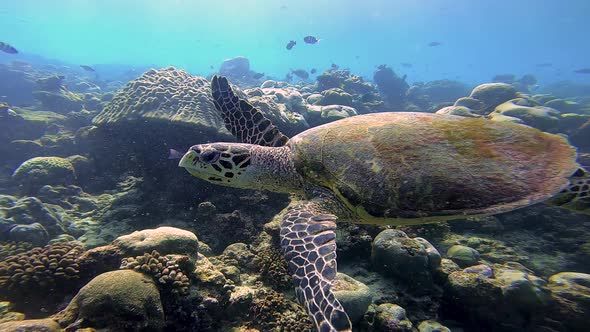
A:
{"x":406,"y":168}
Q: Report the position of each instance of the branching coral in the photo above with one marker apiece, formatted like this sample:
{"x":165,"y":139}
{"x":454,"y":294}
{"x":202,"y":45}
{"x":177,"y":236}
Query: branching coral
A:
{"x":169,"y":271}
{"x":273,"y":268}
{"x":272,"y":312}
{"x":42,"y":277}
{"x":10,"y":248}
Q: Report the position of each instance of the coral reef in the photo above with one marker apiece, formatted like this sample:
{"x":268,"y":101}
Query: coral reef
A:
{"x":391,"y":86}
{"x":39,"y":171}
{"x":55,"y":97}
{"x":169,"y":271}
{"x":273,"y":268}
{"x":42,"y":276}
{"x":167,"y":94}
{"x":410,"y":260}
{"x":122,"y":300}
{"x":164,"y":240}
{"x":11,"y":248}
{"x":272,"y":312}
{"x":354,"y":296}
{"x":44,"y":325}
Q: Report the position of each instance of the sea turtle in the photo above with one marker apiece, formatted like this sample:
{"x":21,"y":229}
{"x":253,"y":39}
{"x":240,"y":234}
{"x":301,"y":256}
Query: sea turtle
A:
{"x":383,"y":168}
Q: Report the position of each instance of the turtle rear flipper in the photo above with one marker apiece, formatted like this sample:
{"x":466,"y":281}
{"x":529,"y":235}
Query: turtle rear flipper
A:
{"x":576,"y":196}
{"x":308,"y":242}
{"x":243,"y":120}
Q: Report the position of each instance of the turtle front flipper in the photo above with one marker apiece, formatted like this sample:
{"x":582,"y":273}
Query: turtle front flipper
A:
{"x":576,"y":196}
{"x":242,"y":119}
{"x":308,"y":242}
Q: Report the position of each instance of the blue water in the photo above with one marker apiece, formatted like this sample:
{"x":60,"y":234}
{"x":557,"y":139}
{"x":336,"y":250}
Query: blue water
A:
{"x":480,"y":38}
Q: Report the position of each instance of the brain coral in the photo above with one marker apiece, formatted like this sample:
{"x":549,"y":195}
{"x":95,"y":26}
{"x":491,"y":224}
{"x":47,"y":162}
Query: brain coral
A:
{"x":39,"y":171}
{"x":167,"y":94}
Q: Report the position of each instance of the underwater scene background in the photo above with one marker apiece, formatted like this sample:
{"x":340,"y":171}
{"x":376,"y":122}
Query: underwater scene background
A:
{"x":100,"y":230}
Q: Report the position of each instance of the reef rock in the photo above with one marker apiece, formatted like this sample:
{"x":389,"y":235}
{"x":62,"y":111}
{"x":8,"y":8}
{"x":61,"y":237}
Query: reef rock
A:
{"x":17,"y":85}
{"x":432,"y":326}
{"x":462,"y":255}
{"x":317,"y":115}
{"x":165,"y":240}
{"x":391,"y":86}
{"x":34,"y":233}
{"x":413,"y":260}
{"x":354,"y":296}
{"x":335,"y":96}
{"x":33,"y":325}
{"x":392,"y":318}
{"x":122,"y":300}
{"x":524,"y":111}
{"x":571,"y":291}
{"x":493,"y":94}
{"x":55,"y":97}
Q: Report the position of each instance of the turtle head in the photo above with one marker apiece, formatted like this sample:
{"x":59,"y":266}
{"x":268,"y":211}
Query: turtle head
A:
{"x":243,"y":165}
{"x":226,"y":164}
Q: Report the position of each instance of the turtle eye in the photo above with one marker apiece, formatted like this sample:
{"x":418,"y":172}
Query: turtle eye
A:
{"x":209,"y":156}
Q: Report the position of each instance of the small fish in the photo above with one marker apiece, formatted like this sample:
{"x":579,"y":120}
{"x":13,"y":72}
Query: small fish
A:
{"x":7,"y":48}
{"x":313,"y":70}
{"x":357,"y":57}
{"x":258,"y":76}
{"x":211,"y":67}
{"x":582,"y":71}
{"x":87,"y":68}
{"x":174,"y":154}
{"x":434,"y":43}
{"x":407,"y":65}
{"x":311,"y":40}
{"x":544,"y":64}
{"x":291,"y":44}
{"x":283,"y":7}
{"x":334,"y":66}
{"x":301,"y":73}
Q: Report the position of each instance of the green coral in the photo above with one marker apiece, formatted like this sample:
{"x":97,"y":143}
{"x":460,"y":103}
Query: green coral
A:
{"x":39,"y":171}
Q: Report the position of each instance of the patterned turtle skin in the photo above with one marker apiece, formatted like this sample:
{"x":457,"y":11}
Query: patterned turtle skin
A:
{"x":383,"y":168}
{"x":409,"y":168}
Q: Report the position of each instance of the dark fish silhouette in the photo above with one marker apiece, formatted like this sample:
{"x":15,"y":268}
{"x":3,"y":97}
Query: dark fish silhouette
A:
{"x":7,"y":48}
{"x":211,"y":67}
{"x":407,"y":65}
{"x":544,"y":64}
{"x":434,"y":43}
{"x":311,"y":40}
{"x":334,"y":66}
{"x":174,"y":154}
{"x":582,"y":71}
{"x":257,"y":75}
{"x":313,"y":70}
{"x":291,"y":44}
{"x":301,"y":73}
{"x":87,"y":68}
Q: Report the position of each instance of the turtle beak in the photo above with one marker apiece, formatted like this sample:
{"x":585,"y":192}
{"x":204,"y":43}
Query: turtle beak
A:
{"x":188,"y":160}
